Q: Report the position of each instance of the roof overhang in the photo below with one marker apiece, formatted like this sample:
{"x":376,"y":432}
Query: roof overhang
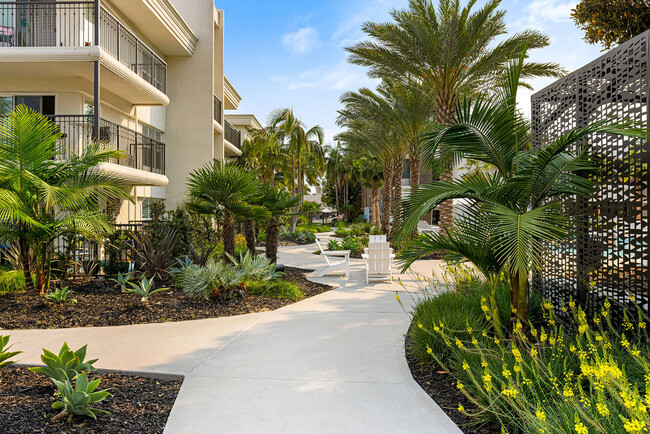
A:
{"x":248,"y":121}
{"x":230,"y":95}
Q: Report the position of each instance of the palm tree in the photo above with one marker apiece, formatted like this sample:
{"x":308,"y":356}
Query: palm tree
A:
{"x":226,"y":191}
{"x":334,"y":171}
{"x":446,"y":52}
{"x":514,"y":214}
{"x":261,"y":152}
{"x":279,"y":203}
{"x":43,"y":197}
{"x":370,"y":176}
{"x":300,"y":144}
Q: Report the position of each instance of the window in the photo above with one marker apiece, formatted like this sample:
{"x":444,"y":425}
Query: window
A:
{"x":146,"y":207}
{"x":152,"y":153}
{"x":42,"y":104}
{"x":151,"y":132}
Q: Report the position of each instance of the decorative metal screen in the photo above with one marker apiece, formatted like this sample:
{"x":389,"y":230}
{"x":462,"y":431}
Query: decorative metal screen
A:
{"x":609,"y":251}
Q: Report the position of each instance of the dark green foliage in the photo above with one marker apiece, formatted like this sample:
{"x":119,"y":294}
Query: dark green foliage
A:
{"x":66,"y":365}
{"x":5,"y":354}
{"x":153,"y":258}
{"x":300,"y":236}
{"x":611,"y":22}
{"x":61,"y":295}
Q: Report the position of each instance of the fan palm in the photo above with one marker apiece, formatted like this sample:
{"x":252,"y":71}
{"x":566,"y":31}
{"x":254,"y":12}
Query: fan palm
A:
{"x":279,"y":203}
{"x":43,"y":196}
{"x":514,"y":212}
{"x":228,"y":191}
{"x":446,"y":52}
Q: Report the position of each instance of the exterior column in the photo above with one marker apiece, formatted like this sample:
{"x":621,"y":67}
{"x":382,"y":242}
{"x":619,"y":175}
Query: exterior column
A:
{"x":96,"y":79}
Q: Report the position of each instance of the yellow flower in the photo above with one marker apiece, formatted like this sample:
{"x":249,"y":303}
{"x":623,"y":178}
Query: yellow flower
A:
{"x":397,"y":297}
{"x":484,"y":363}
{"x":459,"y":344}
{"x":429,"y":351}
{"x":461,"y":408}
{"x":543,"y":336}
{"x":465,"y":366}
{"x":460,"y":385}
{"x":602,"y":409}
{"x":541,"y":416}
{"x":548,"y":306}
{"x":634,"y":425}
{"x":469,"y":329}
{"x":568,"y":392}
{"x":511,"y":392}
{"x":420,"y":325}
{"x":580,"y":428}
{"x":474,"y":341}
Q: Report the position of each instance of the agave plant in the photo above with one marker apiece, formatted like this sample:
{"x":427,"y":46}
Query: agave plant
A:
{"x":66,"y":365}
{"x":255,"y":268}
{"x":5,"y":354}
{"x":122,"y":280}
{"x":143,"y":289}
{"x":77,"y":399}
{"x":61,"y":295}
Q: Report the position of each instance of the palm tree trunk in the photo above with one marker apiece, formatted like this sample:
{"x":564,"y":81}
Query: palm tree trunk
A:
{"x":519,"y":298}
{"x":444,"y":116}
{"x":376,"y":221}
{"x":415,"y":165}
{"x":249,"y":234}
{"x":387,"y":196}
{"x":24,"y":258}
{"x":272,"y":239}
{"x":398,"y":172}
{"x":228,"y":233}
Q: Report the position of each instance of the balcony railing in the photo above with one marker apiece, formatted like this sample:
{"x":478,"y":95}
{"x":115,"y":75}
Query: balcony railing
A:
{"x":217,"y":109}
{"x":142,"y":152}
{"x":232,"y":134}
{"x":72,"y":24}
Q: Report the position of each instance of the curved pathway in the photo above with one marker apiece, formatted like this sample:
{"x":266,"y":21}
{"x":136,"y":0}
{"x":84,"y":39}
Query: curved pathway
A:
{"x":332,"y":363}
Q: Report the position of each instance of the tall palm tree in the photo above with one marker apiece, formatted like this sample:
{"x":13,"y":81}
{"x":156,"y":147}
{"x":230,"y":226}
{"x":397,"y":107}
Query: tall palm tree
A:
{"x":43,"y":196}
{"x":370,"y":176}
{"x":446,"y":52}
{"x":514,"y":213}
{"x":227,"y":192}
{"x":372,"y":122}
{"x":261,"y":152}
{"x":300,"y":144}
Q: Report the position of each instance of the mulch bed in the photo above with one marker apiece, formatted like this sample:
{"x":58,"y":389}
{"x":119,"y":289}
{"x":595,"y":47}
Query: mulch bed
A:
{"x":100,"y":304}
{"x":137,"y":404}
{"x":441,"y":387}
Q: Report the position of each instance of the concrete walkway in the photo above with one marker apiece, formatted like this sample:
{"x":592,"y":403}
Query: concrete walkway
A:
{"x":332,"y":363}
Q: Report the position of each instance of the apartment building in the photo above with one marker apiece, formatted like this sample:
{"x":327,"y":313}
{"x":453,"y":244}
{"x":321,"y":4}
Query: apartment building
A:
{"x":144,"y":76}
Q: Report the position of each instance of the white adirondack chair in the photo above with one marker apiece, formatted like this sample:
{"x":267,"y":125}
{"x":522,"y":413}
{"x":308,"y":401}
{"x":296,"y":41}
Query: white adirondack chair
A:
{"x":372,"y":239}
{"x":379,"y":260}
{"x":424,"y":227}
{"x":341,"y":260}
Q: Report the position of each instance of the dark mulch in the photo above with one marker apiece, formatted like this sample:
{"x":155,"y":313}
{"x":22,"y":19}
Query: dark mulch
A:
{"x":441,"y":387}
{"x":100,"y":304}
{"x":137,"y":404}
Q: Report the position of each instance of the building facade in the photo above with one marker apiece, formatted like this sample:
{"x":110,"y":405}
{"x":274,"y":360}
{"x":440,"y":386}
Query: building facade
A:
{"x":143,"y":76}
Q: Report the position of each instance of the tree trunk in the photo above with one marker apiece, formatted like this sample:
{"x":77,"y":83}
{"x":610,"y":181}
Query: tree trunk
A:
{"x":387,"y":196}
{"x":415,"y":166}
{"x":444,"y":116}
{"x":249,"y":234}
{"x":519,"y":297}
{"x":228,"y":232}
{"x":24,"y":258}
{"x":376,"y":221}
{"x":272,"y":239}
{"x":398,"y":172}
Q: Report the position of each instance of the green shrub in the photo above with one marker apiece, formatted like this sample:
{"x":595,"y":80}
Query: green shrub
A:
{"x":122,"y":280}
{"x":342,"y":232}
{"x":66,"y":365}
{"x":302,"y":236}
{"x":313,"y":228}
{"x":280,"y":289}
{"x":261,"y":236}
{"x":5,"y":354}
{"x":61,"y":295}
{"x":354,"y":244}
{"x":77,"y":399}
{"x":359,"y":229}
{"x":12,"y":281}
{"x":334,"y":245}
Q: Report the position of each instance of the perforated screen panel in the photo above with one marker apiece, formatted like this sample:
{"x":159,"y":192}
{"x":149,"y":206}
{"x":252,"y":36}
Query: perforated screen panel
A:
{"x":610,"y":246}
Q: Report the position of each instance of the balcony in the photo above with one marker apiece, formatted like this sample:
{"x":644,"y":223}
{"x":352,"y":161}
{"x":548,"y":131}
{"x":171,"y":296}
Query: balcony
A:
{"x":232,"y":135}
{"x":71,"y":24}
{"x":141,"y":152}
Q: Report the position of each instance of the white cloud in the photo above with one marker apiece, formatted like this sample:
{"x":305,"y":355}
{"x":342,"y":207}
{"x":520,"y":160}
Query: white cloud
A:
{"x":302,"y":41}
{"x":540,"y":12}
{"x":341,"y":77}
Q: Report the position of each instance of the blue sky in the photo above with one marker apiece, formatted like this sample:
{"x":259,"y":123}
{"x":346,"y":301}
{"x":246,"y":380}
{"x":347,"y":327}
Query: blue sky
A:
{"x":291,"y":53}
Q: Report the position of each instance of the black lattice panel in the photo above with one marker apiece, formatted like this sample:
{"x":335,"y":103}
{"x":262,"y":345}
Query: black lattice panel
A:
{"x":610,"y":246}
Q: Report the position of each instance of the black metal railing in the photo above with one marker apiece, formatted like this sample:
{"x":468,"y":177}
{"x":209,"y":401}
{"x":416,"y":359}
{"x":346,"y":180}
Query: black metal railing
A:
{"x":72,"y":24}
{"x":217,"y":110}
{"x":232,"y":134}
{"x":141,"y":152}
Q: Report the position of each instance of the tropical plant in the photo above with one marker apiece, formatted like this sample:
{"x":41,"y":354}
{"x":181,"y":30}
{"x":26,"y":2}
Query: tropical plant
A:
{"x":446,"y":53}
{"x":5,"y":354}
{"x":611,"y":22}
{"x":12,"y":281}
{"x":261,"y":152}
{"x":278,"y":203}
{"x":61,"y":295}
{"x":153,"y":257}
{"x":43,"y":196}
{"x":303,"y":146}
{"x":334,"y":245}
{"x":514,"y":215}
{"x":77,"y":399}
{"x":300,"y":236}
{"x":310,"y":208}
{"x":143,"y":289}
{"x":201,"y":254}
{"x":122,"y":280}
{"x":66,"y":365}
{"x":225,"y":191}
